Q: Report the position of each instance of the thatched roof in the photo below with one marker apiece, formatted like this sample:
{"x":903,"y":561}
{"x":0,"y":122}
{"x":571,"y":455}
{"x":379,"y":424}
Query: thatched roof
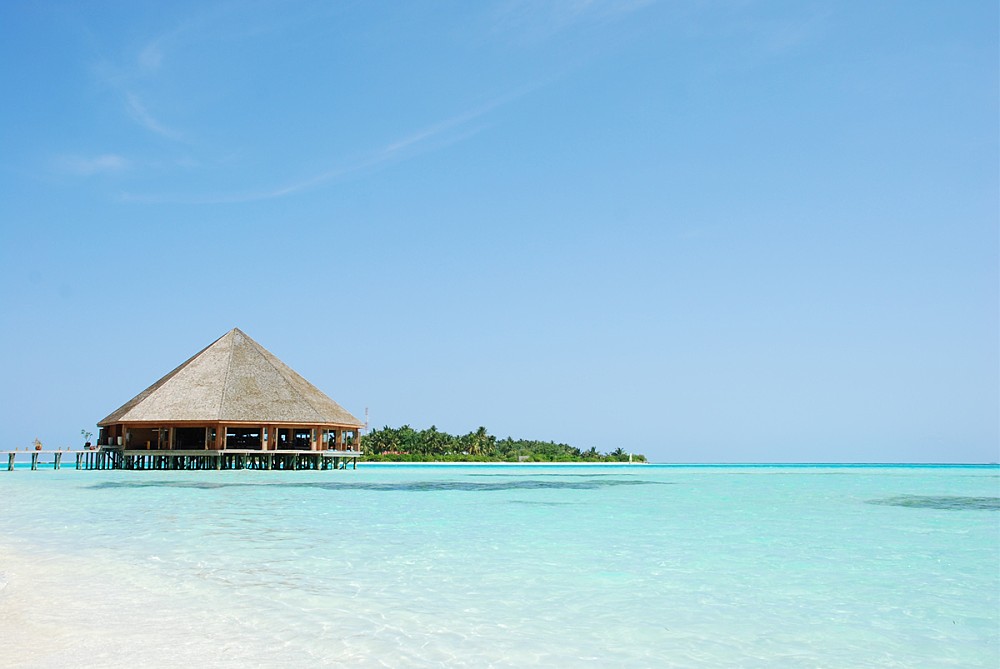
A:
{"x":233,"y":379}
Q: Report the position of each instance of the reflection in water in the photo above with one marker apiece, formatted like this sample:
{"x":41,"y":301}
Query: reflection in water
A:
{"x":587,"y":475}
{"x":403,"y":486}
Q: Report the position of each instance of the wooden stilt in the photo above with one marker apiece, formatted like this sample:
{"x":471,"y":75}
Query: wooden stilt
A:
{"x":153,"y":460}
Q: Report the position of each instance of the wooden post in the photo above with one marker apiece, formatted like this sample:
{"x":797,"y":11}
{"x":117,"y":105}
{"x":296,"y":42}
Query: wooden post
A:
{"x":58,"y":460}
{"x":34,"y":460}
{"x":10,"y":461}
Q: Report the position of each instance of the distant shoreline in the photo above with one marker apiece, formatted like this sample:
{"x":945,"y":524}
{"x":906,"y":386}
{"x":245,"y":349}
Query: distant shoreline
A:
{"x":450,"y":463}
{"x":761,"y":465}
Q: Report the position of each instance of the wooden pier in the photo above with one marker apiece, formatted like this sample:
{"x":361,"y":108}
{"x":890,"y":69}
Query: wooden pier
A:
{"x":106,"y":458}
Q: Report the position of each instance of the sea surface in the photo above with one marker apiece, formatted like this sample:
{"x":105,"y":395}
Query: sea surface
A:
{"x":503,"y":566}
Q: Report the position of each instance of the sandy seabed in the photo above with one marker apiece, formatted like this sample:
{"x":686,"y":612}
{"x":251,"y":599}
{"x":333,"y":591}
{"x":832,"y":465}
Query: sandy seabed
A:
{"x":58,"y":612}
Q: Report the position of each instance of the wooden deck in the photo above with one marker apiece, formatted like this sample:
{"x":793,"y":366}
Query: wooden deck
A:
{"x":140,"y":460}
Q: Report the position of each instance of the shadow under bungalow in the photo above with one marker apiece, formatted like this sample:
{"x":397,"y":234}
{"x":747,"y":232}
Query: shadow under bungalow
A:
{"x":231,"y":405}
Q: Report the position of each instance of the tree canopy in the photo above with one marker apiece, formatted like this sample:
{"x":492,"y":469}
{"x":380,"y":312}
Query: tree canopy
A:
{"x":405,"y":444}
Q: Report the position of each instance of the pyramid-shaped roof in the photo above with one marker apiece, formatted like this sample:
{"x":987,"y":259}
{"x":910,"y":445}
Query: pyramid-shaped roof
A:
{"x":233,"y":379}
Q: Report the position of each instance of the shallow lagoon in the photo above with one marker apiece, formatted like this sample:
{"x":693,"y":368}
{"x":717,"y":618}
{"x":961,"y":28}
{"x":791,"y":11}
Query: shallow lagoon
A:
{"x":504,"y":566}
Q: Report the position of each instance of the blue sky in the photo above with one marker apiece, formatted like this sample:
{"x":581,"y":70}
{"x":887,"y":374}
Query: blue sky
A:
{"x":705,"y":231}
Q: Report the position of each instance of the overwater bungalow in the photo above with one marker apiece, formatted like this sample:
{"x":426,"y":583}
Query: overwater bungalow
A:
{"x":232,"y":396}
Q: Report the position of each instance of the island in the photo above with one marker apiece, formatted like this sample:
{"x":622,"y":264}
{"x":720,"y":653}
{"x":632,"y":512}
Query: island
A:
{"x":405,"y":444}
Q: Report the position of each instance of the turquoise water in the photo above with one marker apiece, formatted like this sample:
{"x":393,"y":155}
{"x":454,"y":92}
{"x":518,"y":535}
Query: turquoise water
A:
{"x":503,"y":566}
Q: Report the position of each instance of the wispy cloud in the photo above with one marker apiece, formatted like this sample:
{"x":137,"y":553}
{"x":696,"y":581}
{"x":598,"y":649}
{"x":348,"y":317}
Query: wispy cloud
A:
{"x":444,"y":133}
{"x":435,"y":130}
{"x":139,"y":73}
{"x":763,"y":36}
{"x":138,"y":111}
{"x":436,"y":136}
{"x":211,"y":23}
{"x":86,"y":166}
{"x":151,"y":56}
{"x":783,"y":36}
{"x":407,"y":147}
{"x":537,"y":19}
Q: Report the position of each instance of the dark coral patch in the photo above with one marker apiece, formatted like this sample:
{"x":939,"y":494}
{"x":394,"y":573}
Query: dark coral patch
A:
{"x":941,"y":502}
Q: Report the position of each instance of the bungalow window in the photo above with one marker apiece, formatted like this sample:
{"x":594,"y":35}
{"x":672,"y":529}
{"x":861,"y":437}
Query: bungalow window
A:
{"x":302,"y":440}
{"x":189,"y":438}
{"x":243,"y":438}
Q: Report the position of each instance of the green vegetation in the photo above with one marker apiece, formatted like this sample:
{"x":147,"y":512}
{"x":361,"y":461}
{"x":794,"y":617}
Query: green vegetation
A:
{"x":404,"y":444}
